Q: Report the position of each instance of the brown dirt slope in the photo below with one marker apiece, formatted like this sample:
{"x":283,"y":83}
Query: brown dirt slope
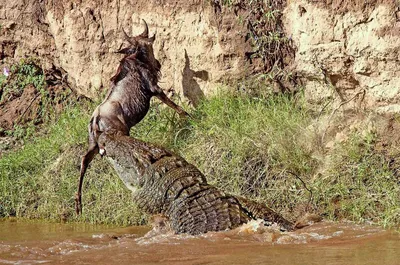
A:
{"x":343,"y":6}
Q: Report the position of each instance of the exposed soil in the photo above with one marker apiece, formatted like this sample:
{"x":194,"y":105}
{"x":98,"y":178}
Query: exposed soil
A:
{"x":343,"y":6}
{"x":29,"y":107}
{"x":20,"y":109}
{"x":389,"y":142}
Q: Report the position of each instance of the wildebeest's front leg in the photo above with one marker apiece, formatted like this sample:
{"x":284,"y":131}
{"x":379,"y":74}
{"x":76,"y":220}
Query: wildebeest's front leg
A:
{"x":161,"y":95}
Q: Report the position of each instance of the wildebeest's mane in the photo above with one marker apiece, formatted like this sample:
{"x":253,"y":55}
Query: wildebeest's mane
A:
{"x":140,"y":61}
{"x":120,"y":74}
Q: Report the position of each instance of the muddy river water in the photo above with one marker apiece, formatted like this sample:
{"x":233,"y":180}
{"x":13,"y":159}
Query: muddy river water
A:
{"x":24,"y":242}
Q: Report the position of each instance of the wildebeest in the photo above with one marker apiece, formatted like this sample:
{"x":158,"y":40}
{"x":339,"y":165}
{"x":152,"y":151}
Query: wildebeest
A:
{"x":128,"y":99}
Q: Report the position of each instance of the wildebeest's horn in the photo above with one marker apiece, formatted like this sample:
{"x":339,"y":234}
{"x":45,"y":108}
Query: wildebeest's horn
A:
{"x":126,"y":36}
{"x":151,"y":39}
{"x":145,"y":33}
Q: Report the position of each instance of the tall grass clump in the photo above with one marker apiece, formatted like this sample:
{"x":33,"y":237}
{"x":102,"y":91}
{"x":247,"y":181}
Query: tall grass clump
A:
{"x":252,"y":146}
{"x":40,"y":180}
{"x":258,"y":147}
{"x":361,"y":184}
{"x":263,"y":148}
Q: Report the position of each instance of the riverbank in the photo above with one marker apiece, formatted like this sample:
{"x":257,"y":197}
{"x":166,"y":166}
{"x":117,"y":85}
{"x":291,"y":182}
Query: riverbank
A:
{"x":270,"y":148}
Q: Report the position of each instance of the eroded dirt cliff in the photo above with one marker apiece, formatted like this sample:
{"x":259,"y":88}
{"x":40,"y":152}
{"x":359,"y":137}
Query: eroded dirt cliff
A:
{"x":81,"y":38}
{"x":345,"y":51}
{"x":348,"y":50}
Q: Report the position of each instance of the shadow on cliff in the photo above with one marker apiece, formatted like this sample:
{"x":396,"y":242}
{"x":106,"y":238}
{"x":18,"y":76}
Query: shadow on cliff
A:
{"x":191,"y":88}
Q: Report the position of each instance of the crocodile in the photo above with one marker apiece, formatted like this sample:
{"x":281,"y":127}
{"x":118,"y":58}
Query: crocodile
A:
{"x":165,"y":183}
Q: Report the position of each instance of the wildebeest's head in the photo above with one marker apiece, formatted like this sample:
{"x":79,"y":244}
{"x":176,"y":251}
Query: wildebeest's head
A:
{"x":141,"y":47}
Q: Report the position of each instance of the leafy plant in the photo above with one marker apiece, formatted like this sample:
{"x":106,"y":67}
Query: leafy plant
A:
{"x":26,"y":72}
{"x":265,"y":30}
{"x":42,"y":104}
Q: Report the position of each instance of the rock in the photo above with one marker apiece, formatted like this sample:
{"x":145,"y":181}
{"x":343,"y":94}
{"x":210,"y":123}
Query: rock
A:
{"x":351,"y":51}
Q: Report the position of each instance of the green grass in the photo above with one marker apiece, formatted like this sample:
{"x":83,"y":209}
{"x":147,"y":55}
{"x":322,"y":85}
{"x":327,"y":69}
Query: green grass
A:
{"x":248,"y":146}
{"x":260,"y":147}
{"x":361,"y":185}
{"x":40,"y":180}
{"x":251,"y":146}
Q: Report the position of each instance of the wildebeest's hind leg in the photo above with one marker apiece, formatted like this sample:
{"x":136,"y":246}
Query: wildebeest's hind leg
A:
{"x":86,"y":159}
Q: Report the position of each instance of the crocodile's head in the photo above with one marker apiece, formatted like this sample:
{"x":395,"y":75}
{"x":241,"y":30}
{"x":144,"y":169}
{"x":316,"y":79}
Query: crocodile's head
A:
{"x":126,"y":157}
{"x":131,"y":158}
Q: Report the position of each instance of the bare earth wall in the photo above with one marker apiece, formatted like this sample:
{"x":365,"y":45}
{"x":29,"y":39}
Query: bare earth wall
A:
{"x":346,"y":52}
{"x":81,"y":38}
{"x":353,"y":52}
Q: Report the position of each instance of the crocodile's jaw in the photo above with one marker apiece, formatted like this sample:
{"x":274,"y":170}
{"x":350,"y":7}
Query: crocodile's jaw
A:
{"x":128,"y":175}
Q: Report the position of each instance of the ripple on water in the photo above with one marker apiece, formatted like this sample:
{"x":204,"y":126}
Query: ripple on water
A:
{"x":3,"y":261}
{"x":248,"y":241}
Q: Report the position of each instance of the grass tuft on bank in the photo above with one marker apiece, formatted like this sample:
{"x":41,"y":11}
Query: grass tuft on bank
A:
{"x":253,"y":146}
{"x":362,"y":184}
{"x":40,"y":180}
{"x":259,"y":147}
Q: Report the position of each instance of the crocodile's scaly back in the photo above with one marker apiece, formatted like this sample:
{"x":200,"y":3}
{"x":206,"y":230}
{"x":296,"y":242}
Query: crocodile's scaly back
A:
{"x":164,"y":183}
{"x":192,"y":205}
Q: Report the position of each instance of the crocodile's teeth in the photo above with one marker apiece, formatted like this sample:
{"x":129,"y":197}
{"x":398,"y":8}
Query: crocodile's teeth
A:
{"x":102,"y":151}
